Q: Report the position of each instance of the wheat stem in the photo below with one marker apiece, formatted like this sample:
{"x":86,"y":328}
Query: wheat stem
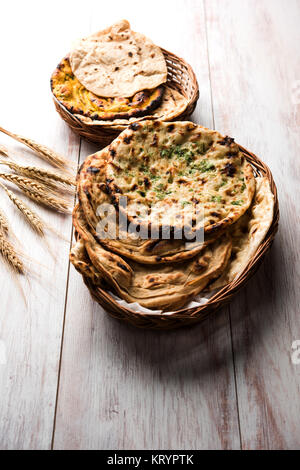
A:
{"x":39,"y":173}
{"x":32,"y":218}
{"x":37,"y":192}
{"x":4,"y":151}
{"x":44,"y":152}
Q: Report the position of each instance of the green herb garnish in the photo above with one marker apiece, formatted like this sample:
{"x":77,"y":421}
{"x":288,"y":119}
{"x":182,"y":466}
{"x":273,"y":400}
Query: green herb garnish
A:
{"x":216,"y":199}
{"x":237,"y":203}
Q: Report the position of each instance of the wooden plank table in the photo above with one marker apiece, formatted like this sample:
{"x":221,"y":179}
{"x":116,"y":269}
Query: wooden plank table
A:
{"x":70,"y":376}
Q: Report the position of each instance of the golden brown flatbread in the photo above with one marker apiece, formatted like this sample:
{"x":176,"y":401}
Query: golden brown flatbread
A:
{"x":249,"y":232}
{"x":92,"y":192}
{"x":172,"y":173}
{"x":78,"y":100}
{"x":156,"y":286}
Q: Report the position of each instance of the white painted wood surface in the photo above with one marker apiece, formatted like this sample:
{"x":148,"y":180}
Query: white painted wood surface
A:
{"x":76,"y":379}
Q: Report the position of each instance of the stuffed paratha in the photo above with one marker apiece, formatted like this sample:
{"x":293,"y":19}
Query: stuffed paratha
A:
{"x":156,"y":286}
{"x":173,"y":104}
{"x":176,"y":170}
{"x":78,"y":100}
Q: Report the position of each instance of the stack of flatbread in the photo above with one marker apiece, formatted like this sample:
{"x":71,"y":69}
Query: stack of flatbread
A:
{"x":116,"y":76}
{"x":166,"y":212}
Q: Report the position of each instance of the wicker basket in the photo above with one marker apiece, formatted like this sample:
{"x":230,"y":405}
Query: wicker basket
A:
{"x":180,"y":76}
{"x":190,"y":316}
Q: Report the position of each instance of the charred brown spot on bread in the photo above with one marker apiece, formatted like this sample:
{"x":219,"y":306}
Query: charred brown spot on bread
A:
{"x":154,"y":141}
{"x":216,"y":214}
{"x":158,"y":258}
{"x":147,"y":182}
{"x":229,"y":170}
{"x":151,"y":279}
{"x":226,"y":141}
{"x":152,"y":245}
{"x":134,"y":126}
{"x":92,"y":169}
{"x":112,"y":152}
{"x":170,"y":128}
{"x":128,"y":139}
{"x":216,"y":226}
{"x":86,"y":192}
{"x":122,"y":266}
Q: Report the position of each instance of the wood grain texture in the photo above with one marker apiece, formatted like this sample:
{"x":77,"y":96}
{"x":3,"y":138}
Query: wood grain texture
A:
{"x":121,"y":388}
{"x":73,"y":377}
{"x":254,"y":67}
{"x":31,"y":332}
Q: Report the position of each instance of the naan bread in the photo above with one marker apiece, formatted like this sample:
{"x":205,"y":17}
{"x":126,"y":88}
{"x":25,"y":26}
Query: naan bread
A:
{"x":156,"y":286}
{"x":174,"y":170}
{"x":249,"y":232}
{"x":91,"y":187}
{"x":118,"y":62}
{"x":78,"y":100}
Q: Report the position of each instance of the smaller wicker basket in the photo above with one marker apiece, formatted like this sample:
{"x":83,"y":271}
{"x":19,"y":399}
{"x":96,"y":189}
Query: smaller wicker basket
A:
{"x":190,"y":316}
{"x":180,"y":77}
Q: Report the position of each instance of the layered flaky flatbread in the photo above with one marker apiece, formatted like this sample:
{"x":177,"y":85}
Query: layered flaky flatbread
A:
{"x":78,"y":100}
{"x":249,"y":232}
{"x":156,"y":286}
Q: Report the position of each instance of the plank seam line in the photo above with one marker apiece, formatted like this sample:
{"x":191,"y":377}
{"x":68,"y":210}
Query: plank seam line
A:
{"x":208,"y":64}
{"x":64,"y":322}
{"x":229,"y":313}
{"x":235,"y":381}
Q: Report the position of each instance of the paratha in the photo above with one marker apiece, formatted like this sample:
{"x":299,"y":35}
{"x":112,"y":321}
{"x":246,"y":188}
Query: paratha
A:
{"x":91,"y":187}
{"x":118,"y":62}
{"x":173,"y":104}
{"x":249,"y":232}
{"x":169,"y":172}
{"x":78,"y":100}
{"x":157,"y":286}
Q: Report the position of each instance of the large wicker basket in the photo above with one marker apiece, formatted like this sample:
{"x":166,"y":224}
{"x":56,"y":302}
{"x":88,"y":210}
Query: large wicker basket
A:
{"x":180,"y":77}
{"x":189,"y":316}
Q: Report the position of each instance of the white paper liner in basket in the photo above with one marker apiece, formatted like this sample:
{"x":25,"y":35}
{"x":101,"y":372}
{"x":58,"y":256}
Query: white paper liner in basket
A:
{"x":136,"y":307}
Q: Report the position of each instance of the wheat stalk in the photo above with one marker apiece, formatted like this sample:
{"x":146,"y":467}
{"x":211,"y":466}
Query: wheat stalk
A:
{"x":32,"y":218}
{"x":42,"y":174}
{"x":37,"y":192}
{"x":4,"y":151}
{"x":8,"y":251}
{"x":44,"y":152}
{"x":4,"y":224}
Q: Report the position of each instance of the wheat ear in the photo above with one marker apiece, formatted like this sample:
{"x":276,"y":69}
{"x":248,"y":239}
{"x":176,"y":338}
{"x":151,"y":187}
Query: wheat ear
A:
{"x":4,"y":224}
{"x":54,"y":181}
{"x":32,"y":218}
{"x":8,"y":251}
{"x":44,"y":152}
{"x":37,"y":192}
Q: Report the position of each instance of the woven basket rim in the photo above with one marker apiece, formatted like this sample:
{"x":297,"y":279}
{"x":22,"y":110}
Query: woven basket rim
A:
{"x":110,"y":126}
{"x":222,"y":296}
